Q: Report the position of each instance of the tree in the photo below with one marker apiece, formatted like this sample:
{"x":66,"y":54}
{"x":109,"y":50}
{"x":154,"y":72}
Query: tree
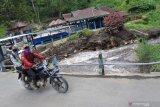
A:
{"x":114,"y":22}
{"x":35,"y":10}
{"x":127,"y":2}
{"x":15,"y":10}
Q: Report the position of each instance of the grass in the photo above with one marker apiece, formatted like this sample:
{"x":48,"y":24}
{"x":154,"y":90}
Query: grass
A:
{"x":152,"y":16}
{"x":149,"y":53}
{"x":139,"y":26}
{"x":84,"y":33}
{"x":3,"y":30}
{"x":73,"y":37}
{"x":123,"y":4}
{"x":151,"y":20}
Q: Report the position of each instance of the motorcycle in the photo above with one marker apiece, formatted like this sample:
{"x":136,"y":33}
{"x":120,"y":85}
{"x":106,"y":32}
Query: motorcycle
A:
{"x":42,"y":75}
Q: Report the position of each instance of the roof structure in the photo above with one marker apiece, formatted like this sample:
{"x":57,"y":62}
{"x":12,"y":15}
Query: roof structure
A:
{"x":17,"y":26}
{"x":52,"y":23}
{"x":67,"y":16}
{"x":111,"y":10}
{"x":84,"y":14}
{"x":89,"y":13}
{"x":57,"y":22}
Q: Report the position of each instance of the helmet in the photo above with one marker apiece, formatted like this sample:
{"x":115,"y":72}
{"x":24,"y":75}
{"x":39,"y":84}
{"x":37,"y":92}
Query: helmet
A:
{"x":27,"y":49}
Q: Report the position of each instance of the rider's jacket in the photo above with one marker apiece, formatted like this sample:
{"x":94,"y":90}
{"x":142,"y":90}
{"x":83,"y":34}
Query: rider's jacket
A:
{"x":28,"y":59}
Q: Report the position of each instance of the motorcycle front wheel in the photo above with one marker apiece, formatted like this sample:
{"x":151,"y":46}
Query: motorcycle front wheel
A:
{"x":60,"y":85}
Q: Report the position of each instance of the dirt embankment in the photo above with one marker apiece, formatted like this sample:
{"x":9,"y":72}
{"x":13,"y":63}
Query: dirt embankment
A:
{"x":98,"y":41}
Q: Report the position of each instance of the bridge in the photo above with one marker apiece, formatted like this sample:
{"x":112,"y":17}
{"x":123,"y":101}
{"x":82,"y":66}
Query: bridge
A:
{"x":50,"y":34}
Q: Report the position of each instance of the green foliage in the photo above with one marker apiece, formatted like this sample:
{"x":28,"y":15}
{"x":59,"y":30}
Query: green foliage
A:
{"x":15,"y":10}
{"x":73,"y":37}
{"x":30,"y":10}
{"x":153,"y":18}
{"x":124,"y":5}
{"x":139,"y":5}
{"x":35,"y":10}
{"x":140,"y":24}
{"x":110,"y":3}
{"x":144,"y":51}
{"x":149,"y":53}
{"x":141,"y":8}
{"x":52,"y":8}
{"x":2,"y":31}
{"x":150,"y":21}
{"x":84,"y":33}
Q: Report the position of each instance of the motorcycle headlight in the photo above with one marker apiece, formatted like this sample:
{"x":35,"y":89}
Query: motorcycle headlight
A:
{"x":45,"y":62}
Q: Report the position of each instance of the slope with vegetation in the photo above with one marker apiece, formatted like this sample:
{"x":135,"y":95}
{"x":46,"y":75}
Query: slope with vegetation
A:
{"x":37,"y":11}
{"x":147,"y":11}
{"x":142,"y":14}
{"x":148,"y":52}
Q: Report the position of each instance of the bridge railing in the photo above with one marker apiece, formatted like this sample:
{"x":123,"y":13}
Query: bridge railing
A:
{"x":103,"y":68}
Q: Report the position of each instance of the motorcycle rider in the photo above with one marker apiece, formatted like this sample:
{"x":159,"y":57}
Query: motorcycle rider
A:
{"x":28,"y":64}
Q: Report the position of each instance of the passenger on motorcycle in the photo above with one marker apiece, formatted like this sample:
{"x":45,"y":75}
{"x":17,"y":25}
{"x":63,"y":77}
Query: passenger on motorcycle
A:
{"x":16,"y":59}
{"x":28,"y":63}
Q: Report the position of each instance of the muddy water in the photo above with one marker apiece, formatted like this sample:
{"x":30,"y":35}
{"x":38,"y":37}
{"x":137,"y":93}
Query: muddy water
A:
{"x":121,"y":54}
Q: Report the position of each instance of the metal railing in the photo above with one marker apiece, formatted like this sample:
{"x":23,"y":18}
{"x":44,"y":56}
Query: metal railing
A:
{"x":101,"y":64}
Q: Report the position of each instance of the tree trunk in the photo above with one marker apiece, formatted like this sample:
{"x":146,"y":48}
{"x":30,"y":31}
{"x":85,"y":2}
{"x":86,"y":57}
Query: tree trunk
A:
{"x":35,"y":11}
{"x":59,"y":6}
{"x":38,"y":16}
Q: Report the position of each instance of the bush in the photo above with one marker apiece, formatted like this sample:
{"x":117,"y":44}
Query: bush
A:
{"x":84,"y":33}
{"x":149,"y":53}
{"x":73,"y":37}
{"x":142,"y":8}
{"x":153,"y":17}
{"x":149,"y":20}
{"x":113,"y":22}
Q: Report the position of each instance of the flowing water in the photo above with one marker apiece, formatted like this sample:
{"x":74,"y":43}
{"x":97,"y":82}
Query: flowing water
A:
{"x":125,"y":54}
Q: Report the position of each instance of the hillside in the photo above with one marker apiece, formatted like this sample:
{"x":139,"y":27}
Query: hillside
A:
{"x":143,"y":14}
{"x":146,"y":12}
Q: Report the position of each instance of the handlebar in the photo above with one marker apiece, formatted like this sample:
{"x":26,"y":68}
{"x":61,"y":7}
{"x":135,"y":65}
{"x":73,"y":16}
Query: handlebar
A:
{"x":43,"y":63}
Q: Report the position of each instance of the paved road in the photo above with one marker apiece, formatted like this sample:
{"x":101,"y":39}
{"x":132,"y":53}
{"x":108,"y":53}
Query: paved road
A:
{"x":83,"y":92}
